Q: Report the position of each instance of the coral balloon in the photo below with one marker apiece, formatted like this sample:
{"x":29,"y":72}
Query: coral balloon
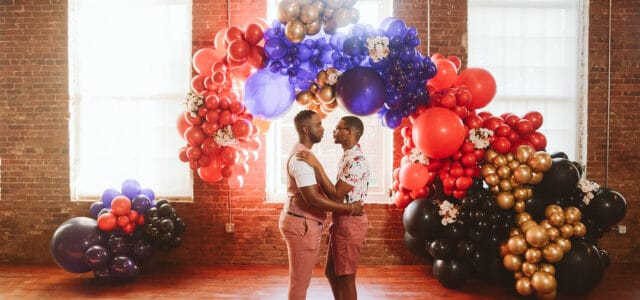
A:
{"x":232,"y":34}
{"x":212,"y":172}
{"x":181,"y":124}
{"x":414,"y":176}
{"x":446,"y":75}
{"x":203,"y":59}
{"x":480,"y":83}
{"x":361,"y":90}
{"x":238,"y":50}
{"x":438,"y":132}
{"x":121,"y":205}
{"x":253,"y":33}
{"x":241,"y":128}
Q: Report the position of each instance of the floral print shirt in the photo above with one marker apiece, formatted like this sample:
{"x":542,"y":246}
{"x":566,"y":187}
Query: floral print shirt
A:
{"x":354,"y":170}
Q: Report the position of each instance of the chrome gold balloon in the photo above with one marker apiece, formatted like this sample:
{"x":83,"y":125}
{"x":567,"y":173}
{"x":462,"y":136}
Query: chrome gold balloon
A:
{"x":537,"y":236}
{"x":533,"y":255}
{"x":499,"y":160}
{"x":564,"y":243}
{"x":523,"y":153}
{"x":492,"y":179}
{"x":512,"y":262}
{"x":552,"y":253}
{"x":545,"y":224}
{"x":528,"y":269}
{"x":579,"y":229}
{"x":523,"y":286}
{"x":540,"y":161}
{"x":295,"y":30}
{"x":326,"y":94}
{"x":505,"y":200}
{"x":516,"y":231}
{"x":551,"y":209}
{"x":309,"y":13}
{"x":522,"y":174}
{"x":517,"y":244}
{"x":556,"y":219}
{"x":490,"y":154}
{"x":304,"y":97}
{"x":553,"y":233}
{"x":566,"y":230}
{"x":527,"y":225}
{"x":504,"y":172}
{"x":521,"y":193}
{"x":536,"y":177}
{"x":288,"y":10}
{"x":543,"y":282}
{"x":549,"y":268}
{"x":487,"y":170}
{"x":505,"y":185}
{"x":522,"y":217}
{"x":519,"y":206}
{"x":334,"y":4}
{"x":315,"y":27}
{"x":342,"y":17}
{"x":548,"y":296}
{"x":572,"y":214}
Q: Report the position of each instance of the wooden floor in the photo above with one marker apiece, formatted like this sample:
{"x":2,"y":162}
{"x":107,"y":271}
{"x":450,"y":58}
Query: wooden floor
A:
{"x":269,"y":282}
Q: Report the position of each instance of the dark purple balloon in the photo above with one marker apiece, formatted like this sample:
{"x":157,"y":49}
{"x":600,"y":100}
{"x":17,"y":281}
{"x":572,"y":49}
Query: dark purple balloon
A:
{"x":149,"y":193}
{"x":123,"y":267}
{"x":393,"y":118}
{"x":141,"y":251}
{"x":275,"y":48}
{"x":396,"y":27}
{"x":141,"y":204}
{"x":96,"y":257}
{"x":108,"y":195}
{"x":68,"y":243}
{"x":361,"y":91}
{"x":95,"y":208}
{"x":118,"y":246}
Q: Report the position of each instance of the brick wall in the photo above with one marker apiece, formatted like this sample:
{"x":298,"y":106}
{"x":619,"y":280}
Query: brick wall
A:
{"x":34,"y":136}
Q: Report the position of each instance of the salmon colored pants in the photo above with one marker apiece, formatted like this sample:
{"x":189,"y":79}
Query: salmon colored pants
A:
{"x":303,"y":244}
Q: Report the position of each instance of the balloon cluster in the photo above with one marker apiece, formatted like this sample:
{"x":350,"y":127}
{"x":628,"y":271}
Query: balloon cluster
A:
{"x":306,"y":17}
{"x":122,"y":238}
{"x":321,"y":96}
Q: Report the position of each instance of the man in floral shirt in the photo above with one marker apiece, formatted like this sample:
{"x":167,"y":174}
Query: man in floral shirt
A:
{"x":347,"y":231}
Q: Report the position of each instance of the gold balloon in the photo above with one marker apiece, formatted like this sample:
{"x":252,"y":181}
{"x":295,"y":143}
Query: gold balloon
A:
{"x":521,"y":193}
{"x":536,"y":177}
{"x":540,"y":161}
{"x":355,"y":15}
{"x":552,"y":253}
{"x":295,"y":30}
{"x":551,"y":209}
{"x":512,"y":262}
{"x":303,"y":98}
{"x":490,"y":154}
{"x":505,"y":200}
{"x":322,"y":77}
{"x":566,"y":230}
{"x":326,"y":94}
{"x":505,"y":185}
{"x":549,"y":268}
{"x":504,"y":172}
{"x":523,"y":286}
{"x":513,"y":163}
{"x":523,"y":153}
{"x":547,"y":296}
{"x":509,"y":156}
{"x":333,"y":4}
{"x":572,"y":214}
{"x":309,"y":13}
{"x":527,"y":225}
{"x":579,"y":229}
{"x":564,"y":243}
{"x":492,"y":179}
{"x":319,"y":4}
{"x":545,"y":224}
{"x":522,"y":174}
{"x":528,"y":269}
{"x":325,"y":109}
{"x":288,"y":10}
{"x":329,"y":25}
{"x":553,"y":233}
{"x":533,"y":255}
{"x":504,"y":249}
{"x":517,"y":244}
{"x":515,"y":231}
{"x":499,"y":160}
{"x":487,"y":170}
{"x":543,"y":282}
{"x":522,"y":217}
{"x":518,"y":275}
{"x":342,"y":17}
{"x":520,"y":206}
{"x":536,"y":236}
{"x":315,"y":27}
{"x":556,"y":219}
{"x":331,"y":105}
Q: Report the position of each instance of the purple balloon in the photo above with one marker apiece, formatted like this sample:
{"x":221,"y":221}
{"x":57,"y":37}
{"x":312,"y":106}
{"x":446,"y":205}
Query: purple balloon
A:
{"x":68,"y":243}
{"x":108,"y":195}
{"x":275,"y":48}
{"x":118,"y":245}
{"x":393,"y":118}
{"x":95,"y":208}
{"x":96,"y":257}
{"x":131,"y":188}
{"x":268,"y":95}
{"x":141,"y":251}
{"x":141,"y":204}
{"x":396,"y":27}
{"x":361,"y":91}
{"x":149,"y":193}
{"x":123,"y":267}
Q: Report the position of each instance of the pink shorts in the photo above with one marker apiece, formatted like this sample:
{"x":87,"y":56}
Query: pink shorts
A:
{"x":346,"y":237}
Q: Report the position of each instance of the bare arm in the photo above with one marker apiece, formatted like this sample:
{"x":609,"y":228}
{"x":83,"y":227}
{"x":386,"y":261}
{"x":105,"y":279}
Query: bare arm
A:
{"x":335,"y":193}
{"x":311,"y":196}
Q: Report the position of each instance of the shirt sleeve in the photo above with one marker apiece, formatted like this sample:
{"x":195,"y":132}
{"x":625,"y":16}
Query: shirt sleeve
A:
{"x":353,"y":173}
{"x":302,"y":173}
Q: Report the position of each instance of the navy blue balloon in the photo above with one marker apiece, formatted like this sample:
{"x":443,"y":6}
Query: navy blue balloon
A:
{"x":68,"y":243}
{"x":95,"y":208}
{"x":268,"y":95}
{"x":141,"y":251}
{"x":396,"y":27}
{"x":141,"y":204}
{"x":131,"y":188}
{"x":97,"y":257}
{"x":101,"y":273}
{"x":149,"y":193}
{"x":275,"y":48}
{"x":118,"y":245}
{"x":353,"y":46}
{"x":361,"y":91}
{"x":393,"y":118}
{"x":123,"y":267}
{"x":108,"y":195}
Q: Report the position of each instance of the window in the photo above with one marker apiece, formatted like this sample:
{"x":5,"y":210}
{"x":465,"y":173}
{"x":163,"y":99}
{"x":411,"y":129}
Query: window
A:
{"x":534,"y":50}
{"x":377,"y":141}
{"x":129,"y":69}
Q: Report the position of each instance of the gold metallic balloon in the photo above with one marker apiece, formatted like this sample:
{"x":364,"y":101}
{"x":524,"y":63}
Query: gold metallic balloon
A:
{"x":303,"y":98}
{"x":519,"y":206}
{"x":564,"y":243}
{"x":288,"y":10}
{"x":545,"y":224}
{"x":490,"y":154}
{"x":517,"y":244}
{"x":533,"y":255}
{"x":504,"y":172}
{"x":332,"y":105}
{"x":528,"y":269}
{"x":322,"y":77}
{"x":556,"y":219}
{"x":504,"y":249}
{"x":552,"y":253}
{"x":309,"y":13}
{"x":521,"y":193}
{"x":505,"y":185}
{"x":523,"y":153}
{"x":499,"y":160}
{"x":572,"y":214}
{"x":334,"y":4}
{"x":513,"y":163}
{"x":329,"y":25}
{"x":548,"y":296}
{"x":492,"y":179}
{"x":540,"y":161}
{"x":342,"y":17}
{"x":487,"y":170}
{"x":543,"y":282}
{"x":549,"y":268}
{"x":536,"y":177}
{"x":518,"y":275}
{"x":522,"y":174}
{"x":319,"y":4}
{"x":512,"y":262}
{"x":326,"y":94}
{"x":314,"y":88}
{"x":523,"y":286}
{"x":505,"y":200}
{"x":553,"y":233}
{"x":523,"y":217}
{"x":527,"y":225}
{"x":515,"y":231}
{"x":315,"y":27}
{"x":537,"y":236}
{"x":579,"y":229}
{"x":295,"y":30}
{"x":510,"y":157}
{"x":551,"y":209}
{"x":566,"y":230}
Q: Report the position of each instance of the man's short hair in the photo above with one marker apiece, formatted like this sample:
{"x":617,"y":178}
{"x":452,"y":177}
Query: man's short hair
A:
{"x":302,"y":117}
{"x":355,"y":124}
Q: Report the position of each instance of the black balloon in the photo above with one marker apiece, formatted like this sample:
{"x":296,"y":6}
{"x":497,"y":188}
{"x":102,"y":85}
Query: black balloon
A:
{"x":421,"y":219}
{"x":441,"y":249}
{"x":451,"y":273}
{"x":465,"y":250}
{"x":96,"y":257}
{"x":123,"y":267}
{"x":560,"y":180}
{"x":559,"y":155}
{"x":417,"y":246}
{"x":607,"y":208}
{"x":580,"y":270}
{"x":454,"y":231}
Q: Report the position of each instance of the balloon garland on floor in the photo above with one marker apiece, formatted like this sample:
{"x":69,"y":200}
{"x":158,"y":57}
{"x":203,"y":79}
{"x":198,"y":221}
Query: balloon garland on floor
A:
{"x":481,"y":194}
{"x":122,"y":237}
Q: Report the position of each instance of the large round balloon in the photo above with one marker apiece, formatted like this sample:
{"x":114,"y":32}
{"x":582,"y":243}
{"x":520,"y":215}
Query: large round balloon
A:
{"x":361,"y":91}
{"x":421,"y":219}
{"x":268,"y":95}
{"x":417,"y":246}
{"x":607,"y":208}
{"x":70,"y":242}
{"x":481,"y":85}
{"x":580,"y":269}
{"x":438,"y":132}
{"x":560,"y":180}
{"x":450,"y":273}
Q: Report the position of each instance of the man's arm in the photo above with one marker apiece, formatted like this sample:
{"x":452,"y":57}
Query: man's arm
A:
{"x":335,"y":193}
{"x":311,"y":195}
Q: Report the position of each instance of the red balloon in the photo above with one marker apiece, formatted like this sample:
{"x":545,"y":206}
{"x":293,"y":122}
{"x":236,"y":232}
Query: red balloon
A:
{"x":401,"y":199}
{"x":194,"y":135}
{"x":120,"y":205}
{"x":212,"y":116}
{"x":480,"y":83}
{"x":226,"y":118}
{"x":535,"y":118}
{"x":192,"y":120}
{"x":107,"y":222}
{"x":538,"y":140}
{"x":182,"y":124}
{"x":438,"y":132}
{"x":123,"y":220}
{"x":455,"y":60}
{"x":210,"y":147}
{"x":446,"y":75}
{"x":182,"y":154}
{"x":218,"y":40}
{"x":414,"y":176}
{"x":211,"y":173}
{"x":473,"y":121}
{"x":253,"y":33}
{"x":241,"y":128}
{"x":233,"y":33}
{"x":524,"y":126}
{"x":238,"y":50}
{"x":235,"y":182}
{"x":236,"y":107}
{"x":228,"y":155}
{"x":203,"y":59}
{"x":210,"y":129}
{"x":256,"y":57}
{"x":197,"y":83}
{"x":211,"y":102}
{"x":194,"y":152}
{"x":227,"y":171}
{"x":501,"y":145}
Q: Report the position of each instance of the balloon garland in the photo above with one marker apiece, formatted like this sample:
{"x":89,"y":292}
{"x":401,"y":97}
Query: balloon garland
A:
{"x":123,"y":236}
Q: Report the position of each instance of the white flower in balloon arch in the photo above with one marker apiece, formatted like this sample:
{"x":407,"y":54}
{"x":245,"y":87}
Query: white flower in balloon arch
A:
{"x":448,"y":212}
{"x":224,"y":136}
{"x":378,"y":47}
{"x":333,"y":75}
{"x":480,"y":137}
{"x":588,"y":188}
{"x":192,"y":102}
{"x":418,"y":157}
